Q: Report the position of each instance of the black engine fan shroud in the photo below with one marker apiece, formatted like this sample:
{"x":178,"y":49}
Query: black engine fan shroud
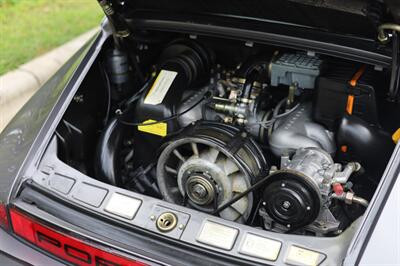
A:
{"x":291,"y":200}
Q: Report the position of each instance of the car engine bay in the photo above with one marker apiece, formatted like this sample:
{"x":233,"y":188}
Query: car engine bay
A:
{"x":274,"y":138}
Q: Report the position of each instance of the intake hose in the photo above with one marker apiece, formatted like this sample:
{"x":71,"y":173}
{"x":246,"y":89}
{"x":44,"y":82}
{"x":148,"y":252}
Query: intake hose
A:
{"x":106,"y":163}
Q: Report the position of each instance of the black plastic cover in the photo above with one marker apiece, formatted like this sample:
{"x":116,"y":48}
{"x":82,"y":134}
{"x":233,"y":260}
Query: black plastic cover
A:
{"x":192,"y":64}
{"x":332,"y":91}
{"x":367,"y":144}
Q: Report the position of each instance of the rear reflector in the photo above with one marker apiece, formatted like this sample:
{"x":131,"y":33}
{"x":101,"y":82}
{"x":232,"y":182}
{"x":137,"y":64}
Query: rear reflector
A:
{"x":3,"y":216}
{"x":64,"y":246}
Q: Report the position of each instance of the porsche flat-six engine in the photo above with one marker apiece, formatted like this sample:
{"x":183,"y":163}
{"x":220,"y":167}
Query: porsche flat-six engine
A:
{"x":279,"y":140}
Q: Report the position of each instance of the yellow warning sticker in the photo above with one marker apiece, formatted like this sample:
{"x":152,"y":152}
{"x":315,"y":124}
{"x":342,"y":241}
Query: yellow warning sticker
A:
{"x":159,"y":129}
{"x":396,"y":136}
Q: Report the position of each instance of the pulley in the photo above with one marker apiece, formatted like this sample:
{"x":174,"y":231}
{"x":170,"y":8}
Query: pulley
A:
{"x":209,"y":164}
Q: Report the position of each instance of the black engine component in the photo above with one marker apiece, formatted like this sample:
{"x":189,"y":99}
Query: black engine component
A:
{"x":291,"y":200}
{"x":364,"y":142}
{"x":76,"y":132}
{"x":209,"y":164}
{"x":186,"y":136}
{"x":107,"y":162}
{"x":182,"y":65}
{"x":345,"y":89}
{"x":120,"y":75}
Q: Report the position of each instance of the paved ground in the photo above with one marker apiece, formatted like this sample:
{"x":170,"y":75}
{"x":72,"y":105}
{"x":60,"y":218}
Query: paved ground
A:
{"x":17,"y":86}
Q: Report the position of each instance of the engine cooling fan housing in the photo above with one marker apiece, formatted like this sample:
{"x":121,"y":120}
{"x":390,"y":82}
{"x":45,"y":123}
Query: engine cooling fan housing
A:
{"x":208,"y":165}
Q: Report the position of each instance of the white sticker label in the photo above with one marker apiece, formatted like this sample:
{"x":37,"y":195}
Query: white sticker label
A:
{"x":123,"y":206}
{"x":218,"y":235}
{"x":302,"y":256}
{"x":160,"y":87}
{"x":260,"y":247}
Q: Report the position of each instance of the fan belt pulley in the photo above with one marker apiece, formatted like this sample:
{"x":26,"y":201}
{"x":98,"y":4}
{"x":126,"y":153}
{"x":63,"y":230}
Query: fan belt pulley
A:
{"x":209,"y":164}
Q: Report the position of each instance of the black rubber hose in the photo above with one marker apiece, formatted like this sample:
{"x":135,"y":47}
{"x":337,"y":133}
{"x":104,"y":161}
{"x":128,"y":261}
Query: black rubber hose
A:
{"x":106,"y":160}
{"x":393,"y":90}
{"x":173,"y":117}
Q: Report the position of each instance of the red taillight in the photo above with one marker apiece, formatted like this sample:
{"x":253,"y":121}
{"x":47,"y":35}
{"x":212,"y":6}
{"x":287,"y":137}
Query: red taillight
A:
{"x":3,"y":217}
{"x":64,"y":246}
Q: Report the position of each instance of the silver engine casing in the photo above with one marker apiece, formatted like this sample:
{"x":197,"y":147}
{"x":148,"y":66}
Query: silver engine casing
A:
{"x":297,"y":130}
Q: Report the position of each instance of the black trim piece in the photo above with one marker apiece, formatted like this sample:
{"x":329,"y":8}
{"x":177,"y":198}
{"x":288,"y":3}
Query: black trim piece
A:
{"x":361,"y":54}
{"x":118,"y":235}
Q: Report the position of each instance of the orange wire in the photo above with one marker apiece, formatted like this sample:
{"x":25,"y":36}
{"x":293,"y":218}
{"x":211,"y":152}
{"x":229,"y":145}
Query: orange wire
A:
{"x":353,"y":83}
{"x":357,"y":76}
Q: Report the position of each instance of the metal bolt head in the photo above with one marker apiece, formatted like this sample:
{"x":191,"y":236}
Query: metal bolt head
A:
{"x":286,"y":204}
{"x":273,"y":169}
{"x":153,"y":218}
{"x":349,"y":198}
{"x":264,"y":203}
{"x":283,"y":185}
{"x":383,"y":37}
{"x":181,"y":226}
{"x":199,"y":190}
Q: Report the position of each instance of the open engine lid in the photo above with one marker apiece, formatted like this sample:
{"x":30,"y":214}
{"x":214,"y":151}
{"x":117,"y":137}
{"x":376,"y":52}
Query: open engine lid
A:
{"x":354,"y":17}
